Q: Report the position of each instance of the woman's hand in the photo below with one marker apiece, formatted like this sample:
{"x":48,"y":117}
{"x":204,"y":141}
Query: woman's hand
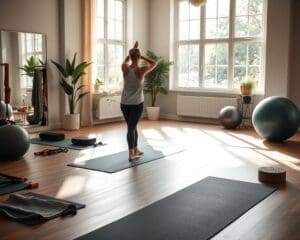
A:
{"x":136,"y":45}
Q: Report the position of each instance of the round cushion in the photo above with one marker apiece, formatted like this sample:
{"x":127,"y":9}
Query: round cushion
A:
{"x":273,"y":175}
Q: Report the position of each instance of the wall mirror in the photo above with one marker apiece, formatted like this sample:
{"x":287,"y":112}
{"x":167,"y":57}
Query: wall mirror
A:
{"x":23,"y":82}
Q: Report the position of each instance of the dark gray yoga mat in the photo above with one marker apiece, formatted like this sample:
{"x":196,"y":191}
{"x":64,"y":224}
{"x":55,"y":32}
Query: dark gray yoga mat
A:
{"x":66,"y":143}
{"x":119,"y":161}
{"x":197,"y":212}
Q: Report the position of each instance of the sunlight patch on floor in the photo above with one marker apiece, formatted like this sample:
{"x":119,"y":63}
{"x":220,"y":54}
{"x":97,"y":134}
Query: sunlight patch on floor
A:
{"x":282,"y":158}
{"x":73,"y":185}
{"x":196,"y":136}
{"x":152,"y":134}
{"x":227,"y":139}
{"x":251,"y":140}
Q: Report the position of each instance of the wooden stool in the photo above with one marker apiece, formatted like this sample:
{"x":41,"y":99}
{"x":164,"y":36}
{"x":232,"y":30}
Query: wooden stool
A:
{"x":273,"y":175}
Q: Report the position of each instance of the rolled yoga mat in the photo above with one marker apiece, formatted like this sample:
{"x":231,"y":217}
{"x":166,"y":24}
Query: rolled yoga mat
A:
{"x":66,"y":143}
{"x":199,"y":212}
{"x":119,"y":161}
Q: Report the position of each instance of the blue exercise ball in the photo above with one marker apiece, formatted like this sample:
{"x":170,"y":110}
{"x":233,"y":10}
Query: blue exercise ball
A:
{"x":3,"y":110}
{"x":230,"y":117}
{"x":276,"y":118}
{"x":14,"y":142}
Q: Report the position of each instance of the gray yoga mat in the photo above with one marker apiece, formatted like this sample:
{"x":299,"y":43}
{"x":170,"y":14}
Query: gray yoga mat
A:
{"x":119,"y":161}
{"x":199,"y":212}
{"x":66,"y":143}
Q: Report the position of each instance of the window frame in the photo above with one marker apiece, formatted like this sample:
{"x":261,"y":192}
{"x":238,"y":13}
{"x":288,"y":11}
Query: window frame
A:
{"x":231,"y":41}
{"x":107,"y":42}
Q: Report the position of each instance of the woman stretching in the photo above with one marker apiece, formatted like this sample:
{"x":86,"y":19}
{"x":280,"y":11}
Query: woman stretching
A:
{"x":132,"y":99}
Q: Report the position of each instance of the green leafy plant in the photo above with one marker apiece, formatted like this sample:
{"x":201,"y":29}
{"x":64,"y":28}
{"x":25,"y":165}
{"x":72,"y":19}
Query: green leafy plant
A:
{"x":247,"y":85}
{"x":30,"y":65}
{"x":99,"y":82}
{"x":71,"y":74}
{"x":155,"y":80}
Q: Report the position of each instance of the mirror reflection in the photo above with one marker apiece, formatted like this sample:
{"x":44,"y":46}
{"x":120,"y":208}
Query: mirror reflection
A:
{"x":23,"y":83}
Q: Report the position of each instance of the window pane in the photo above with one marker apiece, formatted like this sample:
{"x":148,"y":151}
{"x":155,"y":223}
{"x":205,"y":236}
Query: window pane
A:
{"x":183,"y":10}
{"x":119,"y":10}
{"x":188,"y":66}
{"x":223,"y":8}
{"x":211,"y":8}
{"x":194,"y":29}
{"x":222,"y":77}
{"x":100,"y":54}
{"x":223,"y":27}
{"x":255,"y":7}
{"x":210,"y":54}
{"x":114,"y":77}
{"x":255,"y":25}
{"x":241,"y":26}
{"x":211,"y":25}
{"x":240,"y":54}
{"x":241,"y":7}
{"x":239,"y":74}
{"x":99,"y":28}
{"x":194,"y":12}
{"x":111,"y":9}
{"x":111,"y":29}
{"x":115,"y":55}
{"x":254,"y":53}
{"x":209,"y":77}
{"x":254,"y":72}
{"x":183,"y":30}
{"x":119,"y":30}
{"x":222,"y":54}
{"x":100,"y":8}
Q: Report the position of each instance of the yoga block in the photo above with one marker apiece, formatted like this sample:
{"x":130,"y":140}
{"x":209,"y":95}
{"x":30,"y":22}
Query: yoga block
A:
{"x":52,"y":136}
{"x":273,"y":175}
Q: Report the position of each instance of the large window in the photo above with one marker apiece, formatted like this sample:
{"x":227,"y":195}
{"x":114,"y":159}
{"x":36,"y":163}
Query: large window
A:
{"x":219,"y":44}
{"x":110,"y":42}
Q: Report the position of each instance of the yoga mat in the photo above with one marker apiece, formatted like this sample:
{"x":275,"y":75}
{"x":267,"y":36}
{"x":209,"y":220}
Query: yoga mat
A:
{"x":199,"y":212}
{"x":119,"y":161}
{"x":32,"y":208}
{"x":10,"y":187}
{"x":66,"y":143}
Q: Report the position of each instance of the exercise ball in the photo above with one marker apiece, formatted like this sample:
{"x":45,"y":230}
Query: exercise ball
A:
{"x":14,"y":142}
{"x":230,"y":117}
{"x":276,"y":118}
{"x":3,"y":110}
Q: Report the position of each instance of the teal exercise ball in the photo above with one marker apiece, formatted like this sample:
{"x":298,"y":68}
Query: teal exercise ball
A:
{"x":230,"y":117}
{"x":4,"y":110}
{"x":14,"y":142}
{"x":276,"y":118}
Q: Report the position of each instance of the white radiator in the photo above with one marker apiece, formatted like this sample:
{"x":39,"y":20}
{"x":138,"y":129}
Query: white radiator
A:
{"x":206,"y":107}
{"x":109,"y":107}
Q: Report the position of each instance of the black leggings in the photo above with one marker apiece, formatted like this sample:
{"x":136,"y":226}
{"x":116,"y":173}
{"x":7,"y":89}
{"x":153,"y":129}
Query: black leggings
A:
{"x":132,"y":114}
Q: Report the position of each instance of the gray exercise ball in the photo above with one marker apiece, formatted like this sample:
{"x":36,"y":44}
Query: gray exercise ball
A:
{"x":230,"y":117}
{"x":276,"y":118}
{"x":3,"y":110}
{"x":14,"y":142}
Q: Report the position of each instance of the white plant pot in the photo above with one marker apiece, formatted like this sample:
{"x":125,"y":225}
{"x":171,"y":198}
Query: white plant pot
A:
{"x":153,"y":113}
{"x":72,"y":121}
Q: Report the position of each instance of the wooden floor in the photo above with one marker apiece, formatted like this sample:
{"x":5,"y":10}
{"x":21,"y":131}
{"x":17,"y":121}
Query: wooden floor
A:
{"x":210,"y":150}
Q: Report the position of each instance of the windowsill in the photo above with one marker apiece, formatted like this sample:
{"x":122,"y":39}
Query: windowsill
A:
{"x":211,"y":92}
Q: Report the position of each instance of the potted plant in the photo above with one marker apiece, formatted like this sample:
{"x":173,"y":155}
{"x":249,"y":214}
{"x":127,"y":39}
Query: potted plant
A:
{"x":98,"y":84}
{"x":71,"y":74}
{"x":155,"y":83}
{"x":31,"y":63}
{"x":246,"y":87}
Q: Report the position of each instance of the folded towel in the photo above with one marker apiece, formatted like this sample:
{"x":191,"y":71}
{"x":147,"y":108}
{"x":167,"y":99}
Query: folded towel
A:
{"x":35,"y":208}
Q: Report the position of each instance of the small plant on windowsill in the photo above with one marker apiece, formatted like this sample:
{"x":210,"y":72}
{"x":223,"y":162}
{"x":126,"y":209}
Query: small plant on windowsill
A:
{"x":246,"y":86}
{"x":99,"y":83}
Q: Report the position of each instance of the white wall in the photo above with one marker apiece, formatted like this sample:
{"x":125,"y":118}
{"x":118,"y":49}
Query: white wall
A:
{"x":277,"y":57}
{"x":43,"y":17}
{"x":294,"y":88}
{"x":278,"y":48}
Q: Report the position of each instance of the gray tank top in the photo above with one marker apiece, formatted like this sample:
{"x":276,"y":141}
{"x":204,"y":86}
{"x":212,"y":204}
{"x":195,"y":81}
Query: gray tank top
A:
{"x":132,"y":93}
